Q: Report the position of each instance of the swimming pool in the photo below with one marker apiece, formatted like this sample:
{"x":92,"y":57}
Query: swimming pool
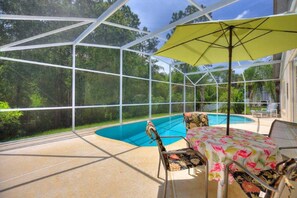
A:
{"x":134,"y":133}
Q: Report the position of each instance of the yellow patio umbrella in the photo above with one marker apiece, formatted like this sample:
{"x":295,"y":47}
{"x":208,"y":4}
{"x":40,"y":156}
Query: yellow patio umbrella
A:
{"x":231,"y":40}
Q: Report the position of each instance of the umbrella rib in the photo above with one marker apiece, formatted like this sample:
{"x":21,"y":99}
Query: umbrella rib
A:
{"x":219,"y":46}
{"x":241,"y":23}
{"x":239,"y":41}
{"x":268,"y":31}
{"x":285,"y":31}
{"x":242,"y":43}
{"x":208,"y":48}
{"x":187,"y":41}
{"x":223,"y":29}
{"x":252,"y":30}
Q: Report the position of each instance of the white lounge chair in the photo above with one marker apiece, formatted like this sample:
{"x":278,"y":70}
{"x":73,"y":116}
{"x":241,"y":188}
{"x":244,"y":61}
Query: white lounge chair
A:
{"x":271,"y":111}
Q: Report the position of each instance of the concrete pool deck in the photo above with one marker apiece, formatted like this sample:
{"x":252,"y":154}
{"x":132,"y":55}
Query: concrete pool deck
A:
{"x":87,"y":165}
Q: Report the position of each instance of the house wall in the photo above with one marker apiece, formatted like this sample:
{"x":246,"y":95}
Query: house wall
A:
{"x":295,"y":90}
{"x":288,"y":71}
{"x":288,"y":86}
{"x":281,"y":6}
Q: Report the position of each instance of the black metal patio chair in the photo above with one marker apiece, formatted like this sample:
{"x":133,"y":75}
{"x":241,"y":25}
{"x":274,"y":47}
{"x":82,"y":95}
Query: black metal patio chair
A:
{"x":176,"y":160}
{"x":269,"y":183}
{"x":284,"y":135}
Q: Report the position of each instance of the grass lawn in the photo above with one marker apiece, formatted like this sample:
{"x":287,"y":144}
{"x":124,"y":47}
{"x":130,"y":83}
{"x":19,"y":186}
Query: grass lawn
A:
{"x":99,"y":124}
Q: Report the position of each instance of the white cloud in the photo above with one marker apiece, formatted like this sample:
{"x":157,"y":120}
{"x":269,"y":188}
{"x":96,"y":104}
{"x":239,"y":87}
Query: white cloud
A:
{"x":241,"y":15}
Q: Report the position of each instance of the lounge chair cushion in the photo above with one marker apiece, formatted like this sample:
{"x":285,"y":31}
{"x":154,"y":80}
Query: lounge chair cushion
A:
{"x":182,"y":161}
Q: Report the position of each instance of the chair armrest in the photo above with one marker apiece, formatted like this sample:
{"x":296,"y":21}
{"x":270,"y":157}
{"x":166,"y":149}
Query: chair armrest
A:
{"x":173,"y":152}
{"x":250,"y":174}
{"x":287,"y":147}
{"x":174,"y":136}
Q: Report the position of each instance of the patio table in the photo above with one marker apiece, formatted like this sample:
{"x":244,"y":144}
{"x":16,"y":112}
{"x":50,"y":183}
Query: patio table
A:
{"x":252,"y":150}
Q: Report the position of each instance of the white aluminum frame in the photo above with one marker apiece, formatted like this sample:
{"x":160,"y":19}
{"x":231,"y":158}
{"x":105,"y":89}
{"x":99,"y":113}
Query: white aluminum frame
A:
{"x":148,"y":35}
{"x":112,"y":9}
{"x":207,"y":10}
{"x":73,"y":87}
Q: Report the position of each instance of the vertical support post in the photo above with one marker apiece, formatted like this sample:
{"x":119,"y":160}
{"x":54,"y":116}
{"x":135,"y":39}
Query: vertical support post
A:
{"x":184,"y":94}
{"x":170,"y":87}
{"x":150,"y":87}
{"x":121,"y":86}
{"x":244,"y":93}
{"x":294,"y":87}
{"x":195,"y":92}
{"x":73,"y":87}
{"x":217,"y":90}
{"x":244,"y":98}
{"x":230,"y":48}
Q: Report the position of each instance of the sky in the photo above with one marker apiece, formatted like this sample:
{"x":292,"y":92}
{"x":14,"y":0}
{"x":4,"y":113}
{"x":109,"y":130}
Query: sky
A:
{"x":156,"y":14}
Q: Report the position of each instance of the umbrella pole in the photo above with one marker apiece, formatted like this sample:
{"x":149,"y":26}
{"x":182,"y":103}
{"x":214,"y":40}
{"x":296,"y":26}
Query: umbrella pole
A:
{"x":229,"y":78}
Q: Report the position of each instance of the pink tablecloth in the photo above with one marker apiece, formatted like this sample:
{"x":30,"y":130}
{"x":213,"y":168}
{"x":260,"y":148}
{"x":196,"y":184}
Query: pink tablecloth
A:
{"x":256,"y":152}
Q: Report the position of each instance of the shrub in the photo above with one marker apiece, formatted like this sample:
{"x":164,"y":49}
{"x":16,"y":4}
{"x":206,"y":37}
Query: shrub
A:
{"x":9,"y":123}
{"x":238,"y":108}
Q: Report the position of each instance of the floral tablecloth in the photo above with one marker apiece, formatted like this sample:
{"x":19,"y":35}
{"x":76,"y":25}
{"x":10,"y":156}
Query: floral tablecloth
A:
{"x":255,"y":151}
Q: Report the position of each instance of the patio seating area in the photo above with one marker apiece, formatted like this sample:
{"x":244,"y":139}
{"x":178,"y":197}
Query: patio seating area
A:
{"x":87,"y":165}
{"x":69,"y":68}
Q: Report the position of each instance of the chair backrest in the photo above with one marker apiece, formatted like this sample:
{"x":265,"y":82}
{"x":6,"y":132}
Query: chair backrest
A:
{"x":152,"y":132}
{"x":284,"y":135}
{"x":195,"y":119}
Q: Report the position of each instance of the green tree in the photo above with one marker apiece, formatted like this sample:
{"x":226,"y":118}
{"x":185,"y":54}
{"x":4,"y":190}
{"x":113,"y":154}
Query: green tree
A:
{"x":25,"y":85}
{"x":176,"y":76}
{"x":9,"y":122}
{"x":237,"y":94}
{"x":257,"y":73}
{"x":190,"y":9}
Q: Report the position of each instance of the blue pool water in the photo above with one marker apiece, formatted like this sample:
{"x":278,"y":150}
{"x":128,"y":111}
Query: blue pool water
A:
{"x":134,"y":133}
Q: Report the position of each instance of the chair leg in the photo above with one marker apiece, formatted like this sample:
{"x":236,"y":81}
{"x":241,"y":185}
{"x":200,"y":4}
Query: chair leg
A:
{"x":166,"y":181}
{"x":159,"y":167}
{"x":280,"y":189}
{"x":226,"y":181}
{"x":206,"y":181}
